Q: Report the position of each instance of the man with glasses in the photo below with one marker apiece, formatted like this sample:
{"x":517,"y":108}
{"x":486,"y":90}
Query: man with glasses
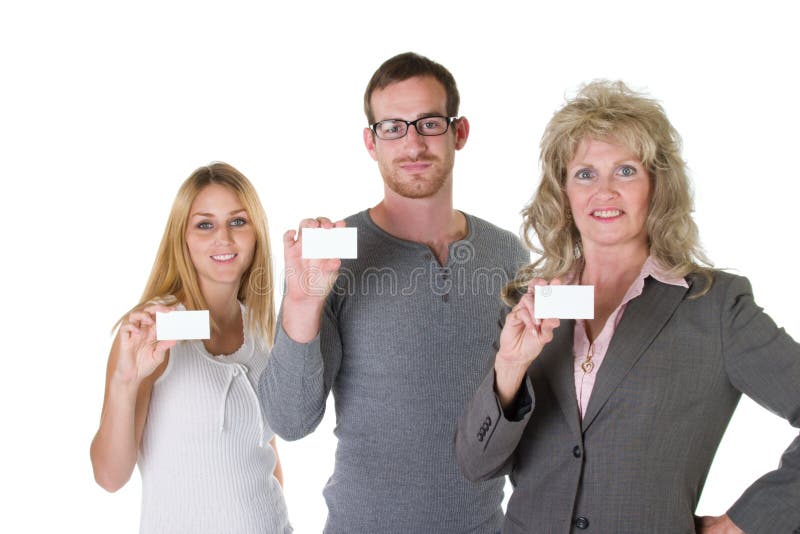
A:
{"x":403,"y":334}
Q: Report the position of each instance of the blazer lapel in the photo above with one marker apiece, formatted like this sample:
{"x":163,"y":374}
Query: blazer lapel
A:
{"x":556,"y":364}
{"x":641,"y":322}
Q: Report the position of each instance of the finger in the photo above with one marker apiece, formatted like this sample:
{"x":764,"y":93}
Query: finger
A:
{"x":308,"y":223}
{"x":153,"y":308}
{"x":556,"y":282}
{"x":324,"y":222}
{"x":340,"y":224}
{"x":527,"y":319}
{"x":512,"y":320}
{"x":526,"y":302}
{"x":330,"y":265}
{"x":289,"y":239}
{"x":127,"y":330}
{"x":551,"y":324}
{"x":161,"y":349}
{"x":546,"y":330}
{"x":140,"y":318}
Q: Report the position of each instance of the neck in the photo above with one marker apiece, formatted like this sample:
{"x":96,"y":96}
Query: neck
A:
{"x":607,"y":266}
{"x":223,"y":307}
{"x":431,"y":221}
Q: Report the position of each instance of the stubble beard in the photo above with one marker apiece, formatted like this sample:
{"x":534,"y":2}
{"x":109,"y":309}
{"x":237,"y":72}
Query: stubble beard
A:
{"x":414,"y":186}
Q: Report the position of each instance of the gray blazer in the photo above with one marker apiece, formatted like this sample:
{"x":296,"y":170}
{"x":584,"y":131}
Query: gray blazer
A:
{"x":666,"y":390}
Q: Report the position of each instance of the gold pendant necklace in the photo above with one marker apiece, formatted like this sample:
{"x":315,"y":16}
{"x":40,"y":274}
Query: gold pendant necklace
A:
{"x":588,"y":364}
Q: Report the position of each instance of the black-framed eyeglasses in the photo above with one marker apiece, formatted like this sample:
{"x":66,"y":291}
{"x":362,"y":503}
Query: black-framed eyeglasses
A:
{"x":396,"y":128}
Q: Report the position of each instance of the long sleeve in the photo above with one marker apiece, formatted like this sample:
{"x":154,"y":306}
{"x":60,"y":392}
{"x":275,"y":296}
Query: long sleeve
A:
{"x":763,"y":362}
{"x":485,"y":439}
{"x":294,"y":386}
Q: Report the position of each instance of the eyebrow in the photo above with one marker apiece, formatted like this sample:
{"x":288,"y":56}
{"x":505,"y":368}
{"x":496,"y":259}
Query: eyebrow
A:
{"x":203,"y":214}
{"x":620,"y":162}
{"x":420,"y":116}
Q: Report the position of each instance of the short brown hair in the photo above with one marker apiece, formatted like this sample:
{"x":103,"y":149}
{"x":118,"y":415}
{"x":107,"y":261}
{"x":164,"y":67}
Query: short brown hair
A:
{"x":409,"y":65}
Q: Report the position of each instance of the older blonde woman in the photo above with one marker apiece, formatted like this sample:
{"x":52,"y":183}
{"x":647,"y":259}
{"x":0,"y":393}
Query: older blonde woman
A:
{"x":187,"y":412}
{"x":611,"y":424}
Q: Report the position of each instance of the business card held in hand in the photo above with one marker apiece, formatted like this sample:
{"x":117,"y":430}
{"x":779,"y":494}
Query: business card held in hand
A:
{"x":563,"y":302}
{"x":323,"y":243}
{"x":180,"y":325}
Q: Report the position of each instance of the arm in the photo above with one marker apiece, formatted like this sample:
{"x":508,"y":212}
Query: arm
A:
{"x":763,"y":362}
{"x":305,"y":359}
{"x":491,"y":427}
{"x":487,"y":434}
{"x":136,"y":360}
{"x":278,"y":471}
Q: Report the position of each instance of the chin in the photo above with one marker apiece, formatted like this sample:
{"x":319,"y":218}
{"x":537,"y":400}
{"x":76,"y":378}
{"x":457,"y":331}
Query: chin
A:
{"x":417,"y":189}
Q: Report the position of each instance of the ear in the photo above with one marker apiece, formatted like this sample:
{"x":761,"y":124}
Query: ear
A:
{"x":462,"y":132}
{"x":369,"y":142}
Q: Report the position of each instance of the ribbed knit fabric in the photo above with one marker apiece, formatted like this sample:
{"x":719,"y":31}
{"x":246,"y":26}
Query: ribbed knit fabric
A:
{"x":205,"y":460}
{"x":404,"y":345}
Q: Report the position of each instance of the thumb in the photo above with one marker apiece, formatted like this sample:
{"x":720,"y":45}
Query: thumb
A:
{"x":162,"y":347}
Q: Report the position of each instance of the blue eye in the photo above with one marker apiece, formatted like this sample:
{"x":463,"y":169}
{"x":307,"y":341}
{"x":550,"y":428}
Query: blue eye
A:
{"x":238,"y":221}
{"x":627,"y":171}
{"x":389,"y":127}
{"x":205,"y":225}
{"x":583,"y":174}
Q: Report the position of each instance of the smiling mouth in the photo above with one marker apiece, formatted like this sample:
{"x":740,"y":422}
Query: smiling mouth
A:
{"x":224,"y":258}
{"x":606,"y":214}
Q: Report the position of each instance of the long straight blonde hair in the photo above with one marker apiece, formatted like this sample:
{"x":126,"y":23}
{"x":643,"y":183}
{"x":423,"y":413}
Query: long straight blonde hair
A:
{"x":174,"y":278}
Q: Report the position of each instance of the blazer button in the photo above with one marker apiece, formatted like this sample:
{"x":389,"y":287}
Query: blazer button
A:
{"x":576,"y":452}
{"x":582,"y":523}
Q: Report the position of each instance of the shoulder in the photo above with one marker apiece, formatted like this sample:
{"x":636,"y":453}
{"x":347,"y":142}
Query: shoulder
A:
{"x":356,"y":218}
{"x":718,"y":285}
{"x":489,"y":234}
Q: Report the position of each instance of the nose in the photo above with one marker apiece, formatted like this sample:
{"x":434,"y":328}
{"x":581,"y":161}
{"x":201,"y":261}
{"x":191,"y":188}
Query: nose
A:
{"x":414,"y":143}
{"x":223,"y":234}
{"x":606,"y":187}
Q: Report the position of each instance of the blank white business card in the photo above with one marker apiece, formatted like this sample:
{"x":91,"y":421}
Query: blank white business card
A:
{"x":563,"y":302}
{"x":179,"y":325}
{"x":322,"y":243}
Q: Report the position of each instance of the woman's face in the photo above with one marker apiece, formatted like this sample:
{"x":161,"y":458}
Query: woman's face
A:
{"x":609,"y":193}
{"x":219,"y":236}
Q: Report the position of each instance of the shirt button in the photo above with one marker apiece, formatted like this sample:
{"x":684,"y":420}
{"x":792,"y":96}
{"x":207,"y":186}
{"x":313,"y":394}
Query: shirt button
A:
{"x":582,"y":523}
{"x":427,"y":256}
{"x":445,"y":297}
{"x":576,"y":452}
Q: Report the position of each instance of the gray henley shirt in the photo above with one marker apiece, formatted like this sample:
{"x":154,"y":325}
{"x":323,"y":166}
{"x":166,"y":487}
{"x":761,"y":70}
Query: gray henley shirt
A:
{"x":404,"y":344}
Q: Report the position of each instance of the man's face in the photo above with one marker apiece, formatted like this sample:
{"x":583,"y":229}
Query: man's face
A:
{"x":414,"y":166}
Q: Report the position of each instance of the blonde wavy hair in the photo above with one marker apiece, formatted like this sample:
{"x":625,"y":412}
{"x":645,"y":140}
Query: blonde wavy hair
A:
{"x":607,"y":110}
{"x":173,"y":277}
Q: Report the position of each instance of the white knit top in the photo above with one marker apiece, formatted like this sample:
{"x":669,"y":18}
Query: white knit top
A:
{"x":205,"y":460}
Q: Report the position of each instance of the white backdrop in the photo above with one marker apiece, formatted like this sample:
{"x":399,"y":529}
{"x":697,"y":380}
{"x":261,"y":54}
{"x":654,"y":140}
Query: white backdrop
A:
{"x":105,"y":107}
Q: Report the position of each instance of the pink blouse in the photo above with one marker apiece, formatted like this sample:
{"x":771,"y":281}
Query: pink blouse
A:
{"x":585,"y":373}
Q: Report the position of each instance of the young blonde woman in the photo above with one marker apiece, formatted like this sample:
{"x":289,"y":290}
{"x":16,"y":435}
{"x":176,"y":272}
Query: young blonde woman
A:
{"x":187,"y":412}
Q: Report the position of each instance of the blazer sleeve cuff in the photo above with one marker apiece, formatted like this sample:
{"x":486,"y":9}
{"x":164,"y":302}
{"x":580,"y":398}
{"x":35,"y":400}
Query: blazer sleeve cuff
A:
{"x":486,"y":438}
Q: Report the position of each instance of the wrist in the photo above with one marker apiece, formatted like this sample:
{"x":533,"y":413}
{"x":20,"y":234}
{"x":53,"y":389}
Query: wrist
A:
{"x":124,"y":386}
{"x":300,"y":320}
{"x":508,"y":379}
